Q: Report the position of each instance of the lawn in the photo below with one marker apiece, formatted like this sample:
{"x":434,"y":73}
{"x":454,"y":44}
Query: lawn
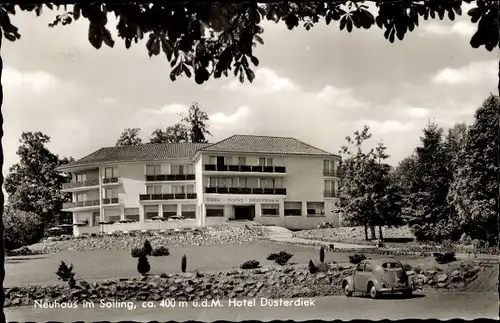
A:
{"x":40,"y":269}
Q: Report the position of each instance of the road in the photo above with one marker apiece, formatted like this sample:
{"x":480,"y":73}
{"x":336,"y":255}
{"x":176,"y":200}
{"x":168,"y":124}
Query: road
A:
{"x":423,"y":306}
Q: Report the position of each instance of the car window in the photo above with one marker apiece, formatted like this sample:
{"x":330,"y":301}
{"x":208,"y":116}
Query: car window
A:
{"x":360,"y":267}
{"x":391,"y":265}
{"x":368,"y":268}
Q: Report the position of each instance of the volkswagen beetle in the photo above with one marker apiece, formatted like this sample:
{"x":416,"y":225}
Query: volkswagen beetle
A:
{"x":378,"y":276}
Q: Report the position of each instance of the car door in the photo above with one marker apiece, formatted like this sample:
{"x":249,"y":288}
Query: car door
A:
{"x":358,"y":277}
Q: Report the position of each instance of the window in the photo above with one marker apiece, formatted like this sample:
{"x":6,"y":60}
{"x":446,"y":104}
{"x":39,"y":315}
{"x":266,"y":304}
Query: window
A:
{"x":315,"y":208}
{"x":270,"y":209}
{"x":81,"y":197}
{"x":169,"y":210}
{"x":178,"y":189}
{"x":153,"y":189}
{"x":228,"y":160}
{"x":269,"y":162}
{"x":293,"y":208}
{"x":212,"y":160}
{"x":242,"y":181}
{"x":109,"y":172}
{"x":177,"y":169}
{"x":221,"y":182}
{"x":81,"y":177}
{"x":132,"y":213}
{"x":212,"y":182}
{"x":391,"y":265}
{"x":214,"y":210}
{"x":181,"y":170}
{"x":150,"y":211}
{"x":112,"y":215}
{"x":152,"y":170}
{"x":266,"y":182}
{"x":329,"y":165}
{"x":242,"y":160}
{"x":262,"y":161}
{"x":110,"y":193}
{"x":360,"y":267}
{"x":368,"y":268}
{"x":278,"y":182}
{"x":189,"y":169}
{"x":189,"y":188}
{"x":188,"y":211}
{"x":330,"y":189}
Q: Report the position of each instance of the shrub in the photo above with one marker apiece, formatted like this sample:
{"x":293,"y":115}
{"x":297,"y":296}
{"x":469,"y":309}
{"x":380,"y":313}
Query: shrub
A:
{"x":160,"y":251}
{"x":250,"y":264}
{"x":312,"y":268}
{"x":184,"y":264}
{"x":147,"y":248}
{"x":21,"y":228}
{"x":356,"y":258}
{"x":281,"y":258}
{"x":322,"y":254}
{"x":64,"y":272}
{"x":137,"y":252}
{"x":323,"y":267}
{"x":143,"y":266}
{"x":444,"y":258}
{"x":448,"y":245}
{"x":407,"y":267}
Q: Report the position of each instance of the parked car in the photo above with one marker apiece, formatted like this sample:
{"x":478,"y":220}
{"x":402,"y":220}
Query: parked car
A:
{"x":378,"y":276}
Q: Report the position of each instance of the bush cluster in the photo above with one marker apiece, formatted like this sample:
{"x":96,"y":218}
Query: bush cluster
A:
{"x":356,"y":258}
{"x":250,"y":264}
{"x":444,"y":258}
{"x":281,"y":258}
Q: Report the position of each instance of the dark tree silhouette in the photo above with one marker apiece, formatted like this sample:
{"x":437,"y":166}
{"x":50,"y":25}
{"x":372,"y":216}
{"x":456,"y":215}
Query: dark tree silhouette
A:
{"x":179,"y":29}
{"x":173,"y":134}
{"x":196,"y":123}
{"x":129,"y":137}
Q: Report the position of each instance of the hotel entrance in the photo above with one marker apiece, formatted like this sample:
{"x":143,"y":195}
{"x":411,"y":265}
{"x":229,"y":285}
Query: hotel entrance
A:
{"x":244,"y":212}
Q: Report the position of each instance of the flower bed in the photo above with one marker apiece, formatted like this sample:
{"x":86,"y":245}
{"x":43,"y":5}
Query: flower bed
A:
{"x":172,"y":238}
{"x":271,"y":282}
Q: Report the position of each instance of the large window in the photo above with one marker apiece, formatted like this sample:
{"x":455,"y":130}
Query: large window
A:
{"x":316,"y":208}
{"x":110,"y":193}
{"x":152,"y":170}
{"x":214,"y":210}
{"x":212,"y":160}
{"x":110,"y":172}
{"x":169,"y":210}
{"x":329,"y":165}
{"x":212,"y":182}
{"x":330,"y":189}
{"x":112,"y":215}
{"x":81,"y":197}
{"x":269,"y":183}
{"x":242,"y":160}
{"x":189,"y":169}
{"x":178,"y":189}
{"x":242,"y":182}
{"x":188,"y":211}
{"x":132,"y":213}
{"x":81,"y":177}
{"x":293,"y":208}
{"x":151,"y":211}
{"x":153,"y":189}
{"x":265,"y":161}
{"x":180,"y":169}
{"x":270,"y":209}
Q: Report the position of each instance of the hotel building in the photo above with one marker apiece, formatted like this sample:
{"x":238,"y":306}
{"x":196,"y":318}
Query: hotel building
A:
{"x":270,"y":180}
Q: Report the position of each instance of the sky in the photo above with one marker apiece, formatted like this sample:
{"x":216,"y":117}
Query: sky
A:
{"x":318,"y":86}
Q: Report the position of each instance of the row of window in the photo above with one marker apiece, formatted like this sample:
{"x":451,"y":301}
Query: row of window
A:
{"x":243,"y":182}
{"x":108,"y":193}
{"x":175,"y":169}
{"x":169,"y":189}
{"x":242,"y":161}
{"x":188,"y":211}
{"x":108,"y":173}
{"x":294,"y":208}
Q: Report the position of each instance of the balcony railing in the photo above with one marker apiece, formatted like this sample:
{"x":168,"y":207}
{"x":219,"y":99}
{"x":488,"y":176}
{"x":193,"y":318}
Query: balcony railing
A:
{"x":245,"y":190}
{"x":72,"y":205}
{"x":80,"y":184}
{"x":328,"y":193}
{"x":162,"y":197}
{"x":110,"y":180}
{"x":161,"y":178}
{"x":113,"y":200}
{"x":329,"y":172}
{"x":245,"y":168}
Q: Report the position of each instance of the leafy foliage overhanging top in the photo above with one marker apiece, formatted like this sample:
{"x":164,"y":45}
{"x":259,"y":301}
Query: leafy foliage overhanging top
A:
{"x":211,"y":39}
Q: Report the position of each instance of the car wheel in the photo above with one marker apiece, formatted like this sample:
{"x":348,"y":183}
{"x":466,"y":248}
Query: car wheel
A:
{"x":373,"y":291}
{"x":347,"y":290}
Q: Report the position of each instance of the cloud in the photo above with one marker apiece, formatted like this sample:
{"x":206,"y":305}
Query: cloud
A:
{"x":473,"y":73}
{"x":220,"y":119}
{"x":387,"y":126}
{"x":36,"y":81}
{"x":167,"y":110}
{"x":461,"y":28}
{"x":266,"y":82}
{"x":415,"y":112}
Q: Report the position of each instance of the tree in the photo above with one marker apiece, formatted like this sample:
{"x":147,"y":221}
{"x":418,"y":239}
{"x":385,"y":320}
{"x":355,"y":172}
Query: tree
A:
{"x":173,"y":134}
{"x":129,"y":137}
{"x":455,"y":144}
{"x":474,"y":193}
{"x":196,"y":123}
{"x":34,"y":184}
{"x":21,"y":228}
{"x":431,"y":218}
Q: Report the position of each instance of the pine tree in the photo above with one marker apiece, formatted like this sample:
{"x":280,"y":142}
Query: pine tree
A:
{"x":147,"y":248}
{"x":143,"y":266}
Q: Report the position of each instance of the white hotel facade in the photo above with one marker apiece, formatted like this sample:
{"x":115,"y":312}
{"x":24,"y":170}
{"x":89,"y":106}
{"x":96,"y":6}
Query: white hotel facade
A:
{"x":270,"y":180}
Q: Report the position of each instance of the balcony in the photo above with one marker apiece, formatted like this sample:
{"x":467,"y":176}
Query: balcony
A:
{"x":330,"y":172}
{"x":110,"y":180}
{"x":244,"y":168}
{"x":73,"y":205}
{"x":163,"y":197}
{"x":80,"y":184}
{"x":166,"y":178}
{"x":245,"y":190}
{"x":113,"y":200}
{"x":328,"y":193}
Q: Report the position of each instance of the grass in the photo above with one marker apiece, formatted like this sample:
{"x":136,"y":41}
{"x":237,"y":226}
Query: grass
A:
{"x":90,"y":265}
